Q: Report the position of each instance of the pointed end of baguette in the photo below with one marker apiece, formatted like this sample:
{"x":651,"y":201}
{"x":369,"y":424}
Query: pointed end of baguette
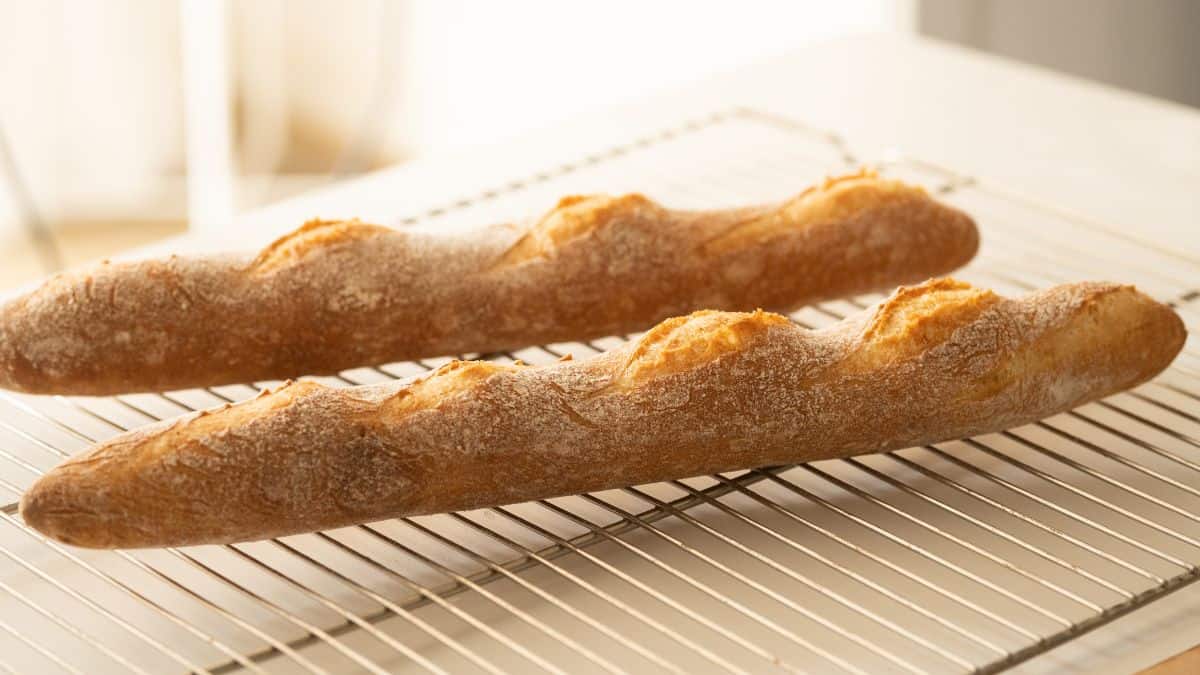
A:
{"x":46,"y":343}
{"x":37,"y":508}
{"x":90,"y":500}
{"x":63,"y":505}
{"x":1097,"y":338}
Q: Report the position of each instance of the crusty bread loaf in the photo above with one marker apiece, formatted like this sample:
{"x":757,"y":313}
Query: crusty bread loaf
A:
{"x":705,"y":393}
{"x":336,"y":295}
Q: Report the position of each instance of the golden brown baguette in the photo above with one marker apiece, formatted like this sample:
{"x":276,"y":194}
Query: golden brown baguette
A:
{"x":705,"y":393}
{"x":336,"y":295}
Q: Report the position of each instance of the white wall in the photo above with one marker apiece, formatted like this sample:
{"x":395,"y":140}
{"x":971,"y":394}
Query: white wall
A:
{"x":472,"y":72}
{"x":90,"y":92}
{"x":1149,"y":46}
{"x":423,"y":76}
{"x":89,"y":100}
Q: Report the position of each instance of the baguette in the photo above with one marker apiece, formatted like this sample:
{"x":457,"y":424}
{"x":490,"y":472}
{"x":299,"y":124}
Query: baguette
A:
{"x":337,"y":295}
{"x":706,"y":393}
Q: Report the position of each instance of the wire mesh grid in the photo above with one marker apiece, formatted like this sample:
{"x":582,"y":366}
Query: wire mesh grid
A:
{"x":972,"y":555}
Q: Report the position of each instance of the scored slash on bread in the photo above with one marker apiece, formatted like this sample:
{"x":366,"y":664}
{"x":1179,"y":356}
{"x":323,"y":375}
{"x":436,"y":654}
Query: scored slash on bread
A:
{"x":706,"y":393}
{"x":341,"y":294}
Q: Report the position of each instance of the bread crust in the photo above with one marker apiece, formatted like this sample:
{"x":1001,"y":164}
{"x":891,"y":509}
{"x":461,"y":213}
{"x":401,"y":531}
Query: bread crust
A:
{"x":340,"y":294}
{"x":710,"y":392}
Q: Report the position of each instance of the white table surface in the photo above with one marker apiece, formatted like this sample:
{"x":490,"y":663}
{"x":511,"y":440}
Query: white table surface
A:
{"x":1122,"y":159}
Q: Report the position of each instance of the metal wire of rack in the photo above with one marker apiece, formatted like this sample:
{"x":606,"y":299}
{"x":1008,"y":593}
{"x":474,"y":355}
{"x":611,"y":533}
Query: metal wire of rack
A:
{"x":967,"y":556}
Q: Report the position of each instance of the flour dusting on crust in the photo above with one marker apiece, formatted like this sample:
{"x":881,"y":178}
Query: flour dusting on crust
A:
{"x":341,"y":294}
{"x":707,"y":393}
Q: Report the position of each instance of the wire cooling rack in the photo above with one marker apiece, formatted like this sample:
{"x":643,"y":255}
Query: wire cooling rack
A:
{"x":972,"y":555}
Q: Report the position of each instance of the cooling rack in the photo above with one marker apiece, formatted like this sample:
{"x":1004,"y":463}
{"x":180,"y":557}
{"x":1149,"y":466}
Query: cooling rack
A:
{"x":967,"y":556}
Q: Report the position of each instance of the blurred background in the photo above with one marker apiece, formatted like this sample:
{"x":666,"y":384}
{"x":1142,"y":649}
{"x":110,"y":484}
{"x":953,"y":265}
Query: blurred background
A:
{"x":125,"y":121}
